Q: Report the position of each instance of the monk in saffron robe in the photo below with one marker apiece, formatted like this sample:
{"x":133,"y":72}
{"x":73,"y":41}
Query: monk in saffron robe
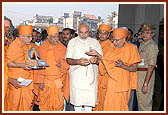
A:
{"x":5,"y":68}
{"x":19,"y":98}
{"x":51,"y":79}
{"x":121,"y":59}
{"x":103,"y":33}
{"x":7,"y":41}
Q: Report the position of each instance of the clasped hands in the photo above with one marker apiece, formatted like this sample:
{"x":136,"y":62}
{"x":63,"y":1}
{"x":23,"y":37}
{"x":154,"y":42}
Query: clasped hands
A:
{"x":118,"y":63}
{"x":85,"y":61}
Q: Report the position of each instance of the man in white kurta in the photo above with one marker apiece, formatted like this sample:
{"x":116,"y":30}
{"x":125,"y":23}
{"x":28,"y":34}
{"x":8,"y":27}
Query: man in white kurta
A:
{"x":83,"y":71}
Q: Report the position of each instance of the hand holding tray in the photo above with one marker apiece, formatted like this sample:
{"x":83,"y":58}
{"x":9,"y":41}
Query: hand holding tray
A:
{"x":41,"y":64}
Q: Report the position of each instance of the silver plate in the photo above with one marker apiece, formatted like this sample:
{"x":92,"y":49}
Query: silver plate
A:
{"x":38,"y":67}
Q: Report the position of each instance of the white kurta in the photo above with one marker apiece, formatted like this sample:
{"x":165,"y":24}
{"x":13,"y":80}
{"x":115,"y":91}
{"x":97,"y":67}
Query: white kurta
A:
{"x":83,"y":79}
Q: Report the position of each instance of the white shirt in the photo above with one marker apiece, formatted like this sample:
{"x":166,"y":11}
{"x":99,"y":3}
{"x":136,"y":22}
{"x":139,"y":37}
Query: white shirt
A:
{"x":83,"y":79}
{"x":38,"y":43}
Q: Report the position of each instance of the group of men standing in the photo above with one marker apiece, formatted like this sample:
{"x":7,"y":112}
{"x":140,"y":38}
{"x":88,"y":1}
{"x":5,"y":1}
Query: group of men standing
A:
{"x":86,"y":73}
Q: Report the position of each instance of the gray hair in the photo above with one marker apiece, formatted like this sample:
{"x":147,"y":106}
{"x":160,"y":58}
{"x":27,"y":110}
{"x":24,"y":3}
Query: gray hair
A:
{"x":83,"y":23}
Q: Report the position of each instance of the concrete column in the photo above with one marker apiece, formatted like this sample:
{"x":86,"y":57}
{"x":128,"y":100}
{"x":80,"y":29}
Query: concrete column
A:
{"x":133,"y":15}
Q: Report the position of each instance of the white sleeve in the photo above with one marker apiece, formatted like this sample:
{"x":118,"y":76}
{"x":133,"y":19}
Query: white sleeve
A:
{"x":99,"y":49}
{"x":69,"y":51}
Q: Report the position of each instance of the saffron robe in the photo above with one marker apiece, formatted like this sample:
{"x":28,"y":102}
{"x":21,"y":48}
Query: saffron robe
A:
{"x":51,"y":98}
{"x":118,"y":84}
{"x":102,"y":79}
{"x":19,"y":99}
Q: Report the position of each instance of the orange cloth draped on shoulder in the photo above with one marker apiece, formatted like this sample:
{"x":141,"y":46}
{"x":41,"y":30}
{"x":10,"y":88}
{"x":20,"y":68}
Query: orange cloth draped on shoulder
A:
{"x":5,"y":77}
{"x":18,"y":99}
{"x":51,"y":98}
{"x":116,"y":98}
{"x":105,"y":45}
{"x":18,"y":53}
{"x":102,"y":78}
{"x":66,"y":90}
{"x":34,"y":45}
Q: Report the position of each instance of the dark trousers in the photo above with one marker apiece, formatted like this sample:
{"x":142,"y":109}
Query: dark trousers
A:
{"x":69,"y":106}
{"x":132,"y":104}
{"x":36,"y":107}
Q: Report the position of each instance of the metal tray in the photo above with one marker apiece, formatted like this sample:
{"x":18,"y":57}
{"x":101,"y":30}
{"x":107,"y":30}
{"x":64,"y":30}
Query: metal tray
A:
{"x":38,"y":67}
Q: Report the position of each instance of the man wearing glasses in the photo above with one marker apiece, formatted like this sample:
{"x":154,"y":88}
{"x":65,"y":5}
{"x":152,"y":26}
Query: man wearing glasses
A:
{"x":19,"y":97}
{"x":121,"y":59}
{"x":49,"y":82}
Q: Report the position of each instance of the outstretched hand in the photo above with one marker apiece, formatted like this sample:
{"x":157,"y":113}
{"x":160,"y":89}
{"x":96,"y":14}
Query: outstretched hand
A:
{"x":93,"y":60}
{"x":92,"y":52}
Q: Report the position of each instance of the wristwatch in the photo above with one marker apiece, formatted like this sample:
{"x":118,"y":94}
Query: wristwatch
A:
{"x":145,"y":84}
